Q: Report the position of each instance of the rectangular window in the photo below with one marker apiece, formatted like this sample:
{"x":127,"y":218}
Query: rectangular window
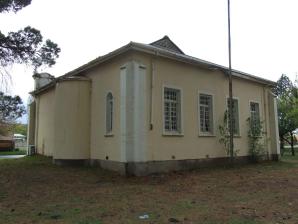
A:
{"x":109,"y":113}
{"x":172,"y":110}
{"x":206,"y":114}
{"x":235,"y":114}
{"x":254,"y":112}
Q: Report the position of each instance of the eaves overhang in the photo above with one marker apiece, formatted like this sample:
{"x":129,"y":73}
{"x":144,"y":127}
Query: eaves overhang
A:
{"x":159,"y":52}
{"x":199,"y":62}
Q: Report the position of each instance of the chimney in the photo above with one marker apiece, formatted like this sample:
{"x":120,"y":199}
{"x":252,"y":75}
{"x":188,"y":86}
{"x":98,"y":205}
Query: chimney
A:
{"x":42,"y":79}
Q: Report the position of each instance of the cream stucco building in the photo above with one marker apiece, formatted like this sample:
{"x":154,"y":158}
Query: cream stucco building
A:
{"x":147,"y":108}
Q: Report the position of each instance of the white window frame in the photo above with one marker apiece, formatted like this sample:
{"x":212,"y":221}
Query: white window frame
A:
{"x":172,"y":133}
{"x":206,"y":134}
{"x":239,"y":123}
{"x":109,"y":133}
{"x":255,"y":101}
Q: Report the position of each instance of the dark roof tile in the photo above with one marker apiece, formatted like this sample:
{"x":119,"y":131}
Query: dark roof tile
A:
{"x":168,"y":44}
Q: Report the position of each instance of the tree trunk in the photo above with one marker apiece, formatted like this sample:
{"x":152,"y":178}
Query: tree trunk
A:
{"x":292,"y":144}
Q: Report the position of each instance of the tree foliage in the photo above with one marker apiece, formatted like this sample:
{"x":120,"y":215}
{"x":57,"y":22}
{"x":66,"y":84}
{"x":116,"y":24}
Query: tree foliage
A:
{"x":287,"y":102}
{"x":224,"y":135}
{"x":283,"y":87}
{"x":287,"y":115}
{"x":20,"y":129}
{"x":13,"y":5}
{"x":25,"y":46}
{"x":255,"y":136}
{"x":11,"y":108}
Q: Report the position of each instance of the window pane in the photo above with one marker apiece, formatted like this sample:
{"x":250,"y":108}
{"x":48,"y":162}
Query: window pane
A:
{"x":109,"y":113}
{"x":254,"y":113}
{"x":172,"y":110}
{"x":206,"y":113}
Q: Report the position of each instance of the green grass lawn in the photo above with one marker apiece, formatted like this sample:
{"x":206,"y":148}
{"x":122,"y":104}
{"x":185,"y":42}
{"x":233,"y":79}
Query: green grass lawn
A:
{"x":287,"y":155}
{"x":33,"y":190}
{"x":17,"y":151}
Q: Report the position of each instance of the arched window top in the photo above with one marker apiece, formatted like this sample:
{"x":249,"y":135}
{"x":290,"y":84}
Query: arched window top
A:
{"x":109,"y":96}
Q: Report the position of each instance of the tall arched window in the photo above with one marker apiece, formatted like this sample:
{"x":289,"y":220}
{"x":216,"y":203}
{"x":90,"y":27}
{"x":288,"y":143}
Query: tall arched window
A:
{"x":109,"y":113}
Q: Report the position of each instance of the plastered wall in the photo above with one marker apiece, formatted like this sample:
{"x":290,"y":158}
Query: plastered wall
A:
{"x":105,"y":78}
{"x":45,"y":123}
{"x":80,"y":110}
{"x":192,"y":80}
{"x":72,"y":120}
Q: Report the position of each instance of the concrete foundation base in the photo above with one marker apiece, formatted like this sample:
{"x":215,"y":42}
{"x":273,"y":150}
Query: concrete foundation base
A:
{"x":151,"y":167}
{"x":116,"y":166}
{"x":145,"y":168}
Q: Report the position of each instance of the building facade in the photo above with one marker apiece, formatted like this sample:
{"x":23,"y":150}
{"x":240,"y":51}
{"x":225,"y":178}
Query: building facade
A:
{"x":148,"y":108}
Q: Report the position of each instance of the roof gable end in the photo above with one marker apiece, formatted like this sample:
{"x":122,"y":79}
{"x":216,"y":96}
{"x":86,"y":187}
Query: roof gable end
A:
{"x":168,"y":44}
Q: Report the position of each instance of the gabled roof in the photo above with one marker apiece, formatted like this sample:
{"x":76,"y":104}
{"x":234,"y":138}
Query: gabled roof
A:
{"x":157,"y":50}
{"x":168,"y":44}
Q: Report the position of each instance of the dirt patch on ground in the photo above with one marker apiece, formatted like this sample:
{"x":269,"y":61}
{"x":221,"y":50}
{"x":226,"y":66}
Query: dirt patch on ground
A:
{"x":32,"y":190}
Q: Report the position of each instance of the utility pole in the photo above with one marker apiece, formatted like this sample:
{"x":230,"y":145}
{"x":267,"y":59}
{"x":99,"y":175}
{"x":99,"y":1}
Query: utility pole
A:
{"x":230,"y":105}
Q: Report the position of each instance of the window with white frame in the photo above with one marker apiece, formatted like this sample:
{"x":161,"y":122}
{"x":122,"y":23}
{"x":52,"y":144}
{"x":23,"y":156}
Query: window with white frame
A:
{"x":109,"y":113}
{"x":206,"y":113}
{"x":172,"y":110}
{"x":254,"y":113}
{"x":235,"y":114}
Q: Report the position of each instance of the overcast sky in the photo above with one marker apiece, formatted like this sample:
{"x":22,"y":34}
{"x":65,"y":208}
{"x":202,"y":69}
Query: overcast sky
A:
{"x":264,"y":32}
